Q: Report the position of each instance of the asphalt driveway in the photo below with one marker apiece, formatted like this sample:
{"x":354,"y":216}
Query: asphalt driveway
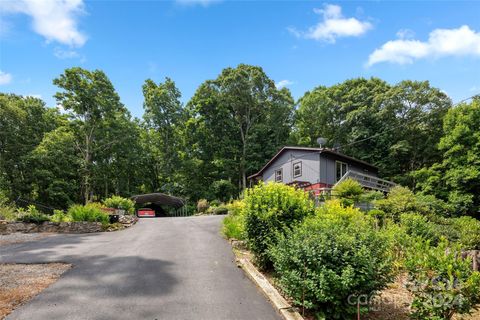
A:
{"x":163,"y":268}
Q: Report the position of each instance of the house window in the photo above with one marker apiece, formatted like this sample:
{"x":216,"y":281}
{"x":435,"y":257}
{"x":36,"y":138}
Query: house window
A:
{"x":279,"y":175}
{"x":297,"y":169}
{"x":341,"y":169}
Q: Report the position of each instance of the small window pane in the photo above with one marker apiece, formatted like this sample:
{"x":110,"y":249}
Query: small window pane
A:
{"x":297,"y":169}
{"x":278,"y":175}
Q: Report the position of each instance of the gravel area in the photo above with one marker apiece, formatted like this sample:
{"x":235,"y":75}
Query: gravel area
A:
{"x":20,"y":282}
{"x":6,"y":239}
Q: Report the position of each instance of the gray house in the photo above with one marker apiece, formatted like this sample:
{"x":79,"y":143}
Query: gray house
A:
{"x":318,"y":170}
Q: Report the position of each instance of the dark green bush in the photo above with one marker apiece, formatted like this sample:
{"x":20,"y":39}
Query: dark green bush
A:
{"x":272,"y":209}
{"x":32,"y":215}
{"x":330,"y":260}
{"x":220,"y":210}
{"x":441,"y":281}
{"x":90,"y":212}
{"x":117,"y":202}
{"x":417,"y":225}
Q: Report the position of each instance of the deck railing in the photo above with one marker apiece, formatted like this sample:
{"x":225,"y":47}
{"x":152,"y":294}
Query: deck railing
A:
{"x":367,"y":181}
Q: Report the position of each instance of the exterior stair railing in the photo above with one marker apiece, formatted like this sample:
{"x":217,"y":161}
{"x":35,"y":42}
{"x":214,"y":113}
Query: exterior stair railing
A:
{"x":368,"y":181}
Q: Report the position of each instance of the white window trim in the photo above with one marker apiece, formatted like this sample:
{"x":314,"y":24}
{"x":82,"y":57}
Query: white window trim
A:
{"x":281,"y":175}
{"x":293,"y":169}
{"x":346,"y":169}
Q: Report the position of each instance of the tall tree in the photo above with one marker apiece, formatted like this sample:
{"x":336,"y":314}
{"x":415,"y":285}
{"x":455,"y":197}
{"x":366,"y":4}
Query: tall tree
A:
{"x":91,"y":99}
{"x":238,"y":113}
{"x":164,"y":118}
{"x":23,"y":122}
{"x":456,"y":177}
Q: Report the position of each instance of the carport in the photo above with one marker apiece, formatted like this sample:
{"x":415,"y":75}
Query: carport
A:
{"x":156,"y":201}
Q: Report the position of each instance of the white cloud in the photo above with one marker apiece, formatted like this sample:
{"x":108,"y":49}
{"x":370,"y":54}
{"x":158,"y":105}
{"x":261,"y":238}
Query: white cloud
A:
{"x":283,"y":83}
{"x":5,"y":78}
{"x":441,"y":42}
{"x":56,"y":20}
{"x":204,"y":3}
{"x":405,"y":34}
{"x":333,"y":26}
{"x":65,"y":54}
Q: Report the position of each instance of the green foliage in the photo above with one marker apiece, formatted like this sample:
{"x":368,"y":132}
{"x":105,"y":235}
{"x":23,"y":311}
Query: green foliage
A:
{"x":441,"y":281}
{"x":348,"y":191}
{"x":400,"y":200}
{"x":271,"y":210}
{"x":456,"y":178}
{"x":224,"y":190}
{"x":333,"y":258}
{"x":220,"y":210}
{"x":468,"y":230}
{"x":60,"y":216}
{"x":405,"y":119}
{"x":90,"y":212}
{"x":31,"y":215}
{"x":7,"y":211}
{"x":118,"y":202}
{"x":233,"y":225}
{"x":238,"y":121}
{"x":202,"y":206}
{"x":464,"y":231}
{"x":418,"y":225}
{"x":215,"y":203}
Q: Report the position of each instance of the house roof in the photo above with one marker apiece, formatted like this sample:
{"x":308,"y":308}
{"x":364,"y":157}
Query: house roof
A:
{"x":159,"y":199}
{"x":308,"y":149}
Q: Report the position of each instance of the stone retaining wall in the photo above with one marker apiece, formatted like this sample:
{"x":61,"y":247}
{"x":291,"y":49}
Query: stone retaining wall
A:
{"x":7,"y":227}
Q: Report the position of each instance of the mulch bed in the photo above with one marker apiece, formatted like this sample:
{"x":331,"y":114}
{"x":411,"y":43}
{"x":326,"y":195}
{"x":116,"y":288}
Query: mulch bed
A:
{"x":21,"y":282}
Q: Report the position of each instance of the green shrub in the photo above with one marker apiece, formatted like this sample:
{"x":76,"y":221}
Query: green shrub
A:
{"x":348,"y":192}
{"x":332,"y":259}
{"x":400,"y":200}
{"x":378,"y":215}
{"x":117,"y":202}
{"x":272,"y":209}
{"x":464,"y":231}
{"x":442,"y":283}
{"x":417,"y":225}
{"x":32,"y":215}
{"x":202,"y":206}
{"x":8,"y":212}
{"x":220,"y":210}
{"x":90,"y":212}
{"x":468,"y":231}
{"x":215,"y":203}
{"x":233,"y":225}
{"x":60,"y":216}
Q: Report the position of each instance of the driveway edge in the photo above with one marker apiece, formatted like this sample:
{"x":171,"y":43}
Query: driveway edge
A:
{"x":279,"y":302}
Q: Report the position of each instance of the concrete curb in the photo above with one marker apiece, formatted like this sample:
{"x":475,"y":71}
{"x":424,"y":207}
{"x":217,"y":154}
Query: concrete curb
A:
{"x":279,"y":302}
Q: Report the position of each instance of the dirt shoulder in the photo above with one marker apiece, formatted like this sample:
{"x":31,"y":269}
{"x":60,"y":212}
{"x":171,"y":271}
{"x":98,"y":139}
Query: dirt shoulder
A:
{"x":21,"y":282}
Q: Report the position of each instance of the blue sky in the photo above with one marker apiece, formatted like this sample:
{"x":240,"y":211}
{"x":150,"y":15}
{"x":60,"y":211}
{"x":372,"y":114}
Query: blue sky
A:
{"x":300,"y":44}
